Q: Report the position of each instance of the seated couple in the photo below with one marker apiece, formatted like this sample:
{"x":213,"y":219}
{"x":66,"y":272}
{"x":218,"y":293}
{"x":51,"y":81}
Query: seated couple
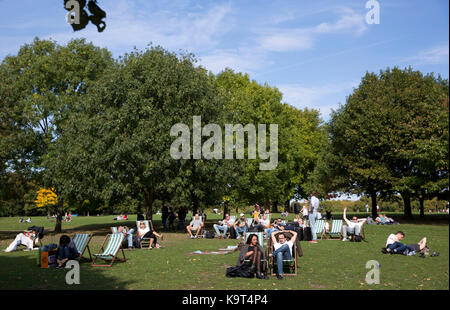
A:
{"x":227,"y":224}
{"x":353,"y":227}
{"x":384,"y":220}
{"x":66,"y":251}
{"x":394,"y":246}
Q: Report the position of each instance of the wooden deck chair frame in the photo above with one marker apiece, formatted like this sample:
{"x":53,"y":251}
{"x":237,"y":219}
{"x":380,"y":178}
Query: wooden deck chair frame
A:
{"x":293,"y":260}
{"x":146,"y":241}
{"x":113,"y":257}
{"x":86,"y":246}
{"x":334,"y":232}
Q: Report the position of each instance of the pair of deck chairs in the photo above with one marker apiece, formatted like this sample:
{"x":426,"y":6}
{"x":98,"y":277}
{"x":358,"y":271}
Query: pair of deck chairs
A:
{"x":335,"y":231}
{"x":289,"y":266}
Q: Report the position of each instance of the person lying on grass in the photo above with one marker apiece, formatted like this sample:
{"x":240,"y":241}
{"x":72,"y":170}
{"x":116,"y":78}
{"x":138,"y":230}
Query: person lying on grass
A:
{"x":195,"y":226}
{"x":253,"y":252}
{"x":283,"y":249}
{"x":28,"y":238}
{"x":394,"y":246}
{"x":66,"y":251}
{"x":146,"y":232}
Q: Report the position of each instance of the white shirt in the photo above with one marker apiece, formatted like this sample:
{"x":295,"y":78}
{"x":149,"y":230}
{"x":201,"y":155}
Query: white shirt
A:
{"x":142,"y":232}
{"x":277,"y":245}
{"x":264,"y":222}
{"x":305,"y":211}
{"x":314,"y":203}
{"x":353,"y":224}
{"x":391,"y":239}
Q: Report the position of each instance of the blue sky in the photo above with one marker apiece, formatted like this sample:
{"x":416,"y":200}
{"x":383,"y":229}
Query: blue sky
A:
{"x":315,"y":52}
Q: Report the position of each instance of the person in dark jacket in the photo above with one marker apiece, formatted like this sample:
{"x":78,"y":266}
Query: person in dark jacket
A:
{"x":253,"y":252}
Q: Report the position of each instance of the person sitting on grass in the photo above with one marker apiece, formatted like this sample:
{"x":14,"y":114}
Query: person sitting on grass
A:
{"x":253,"y":252}
{"x":66,"y":251}
{"x":240,"y":225}
{"x":195,"y":225}
{"x":353,"y":227}
{"x":28,"y":238}
{"x":394,"y":246}
{"x":224,"y":226}
{"x":146,"y":232}
{"x":283,"y":250}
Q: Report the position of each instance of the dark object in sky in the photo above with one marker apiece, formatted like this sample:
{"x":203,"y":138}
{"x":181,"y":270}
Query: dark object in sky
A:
{"x":96,"y":18}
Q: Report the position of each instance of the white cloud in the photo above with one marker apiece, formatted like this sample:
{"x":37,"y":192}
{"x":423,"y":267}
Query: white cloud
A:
{"x":437,"y":55}
{"x":317,"y":97}
{"x":283,"y":40}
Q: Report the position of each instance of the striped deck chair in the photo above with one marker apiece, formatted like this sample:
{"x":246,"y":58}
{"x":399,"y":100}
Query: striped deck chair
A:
{"x":81,"y":242}
{"x":289,"y":266}
{"x":145,"y":241}
{"x":249,"y":222}
{"x":336,"y":230}
{"x":260,"y":240}
{"x":112,"y":249}
{"x":320,"y":224}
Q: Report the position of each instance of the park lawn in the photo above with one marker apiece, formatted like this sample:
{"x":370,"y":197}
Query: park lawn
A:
{"x":329,"y":264}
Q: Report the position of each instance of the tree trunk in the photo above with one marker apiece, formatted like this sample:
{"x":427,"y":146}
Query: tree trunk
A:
{"x":275,"y":206}
{"x":59,"y":213}
{"x":148,"y":197}
{"x":195,"y":205}
{"x":373,"y":195}
{"x":407,"y":204}
{"x":422,"y":214}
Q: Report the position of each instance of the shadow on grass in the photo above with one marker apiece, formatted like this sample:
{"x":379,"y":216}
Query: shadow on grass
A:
{"x":20,"y":271}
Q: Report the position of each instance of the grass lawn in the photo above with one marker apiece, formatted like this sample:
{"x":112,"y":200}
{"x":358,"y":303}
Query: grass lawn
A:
{"x":329,"y":264}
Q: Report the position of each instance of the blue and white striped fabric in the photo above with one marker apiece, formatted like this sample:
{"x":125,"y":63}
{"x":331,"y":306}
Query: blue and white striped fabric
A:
{"x":113,"y":246}
{"x":320,"y":224}
{"x":80,"y":241}
{"x":336,"y":227}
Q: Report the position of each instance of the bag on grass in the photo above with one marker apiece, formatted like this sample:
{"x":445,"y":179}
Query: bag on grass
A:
{"x":307,"y":234}
{"x":358,"y":238}
{"x":242,"y":271}
{"x":209,"y":234}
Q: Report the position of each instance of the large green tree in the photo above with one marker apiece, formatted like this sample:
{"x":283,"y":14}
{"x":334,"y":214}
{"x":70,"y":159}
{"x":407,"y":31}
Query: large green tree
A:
{"x":39,"y":88}
{"x":117,"y":144}
{"x":391,"y":136}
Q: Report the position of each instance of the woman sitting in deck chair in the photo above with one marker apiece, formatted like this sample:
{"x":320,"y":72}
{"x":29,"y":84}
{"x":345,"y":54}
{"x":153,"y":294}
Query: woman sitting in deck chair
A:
{"x":146,"y":232}
{"x":252,"y":253}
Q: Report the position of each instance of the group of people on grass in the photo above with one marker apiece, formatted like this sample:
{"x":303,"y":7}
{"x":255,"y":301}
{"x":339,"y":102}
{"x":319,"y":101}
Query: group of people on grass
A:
{"x":251,"y":252}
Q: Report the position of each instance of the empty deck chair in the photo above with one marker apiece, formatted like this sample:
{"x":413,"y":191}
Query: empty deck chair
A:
{"x":110,"y":252}
{"x":81,"y":242}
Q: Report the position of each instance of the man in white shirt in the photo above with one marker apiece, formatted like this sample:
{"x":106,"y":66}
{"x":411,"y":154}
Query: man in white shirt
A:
{"x":223,"y":226}
{"x":283,"y":249}
{"x":313,"y":210}
{"x":195,"y":225}
{"x":353,"y":227}
{"x":394,"y":246}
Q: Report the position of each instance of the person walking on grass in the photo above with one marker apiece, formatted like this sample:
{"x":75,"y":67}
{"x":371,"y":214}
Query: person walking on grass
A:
{"x":313,"y":214}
